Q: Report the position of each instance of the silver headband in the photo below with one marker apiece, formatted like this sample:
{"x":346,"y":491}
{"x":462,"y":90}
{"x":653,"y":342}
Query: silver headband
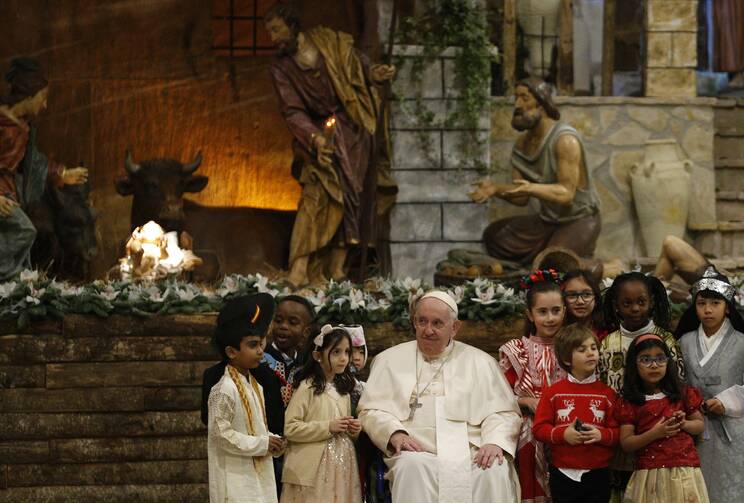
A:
{"x":710,"y":282}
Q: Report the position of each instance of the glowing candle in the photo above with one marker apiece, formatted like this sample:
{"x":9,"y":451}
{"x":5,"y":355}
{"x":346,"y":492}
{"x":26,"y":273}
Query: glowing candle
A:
{"x":329,"y":129}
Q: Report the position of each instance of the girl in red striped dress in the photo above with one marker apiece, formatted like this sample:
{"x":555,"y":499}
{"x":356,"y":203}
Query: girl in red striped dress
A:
{"x":530,"y":366}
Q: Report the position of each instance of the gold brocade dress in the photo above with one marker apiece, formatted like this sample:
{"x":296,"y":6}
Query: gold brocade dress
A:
{"x":337,"y":479}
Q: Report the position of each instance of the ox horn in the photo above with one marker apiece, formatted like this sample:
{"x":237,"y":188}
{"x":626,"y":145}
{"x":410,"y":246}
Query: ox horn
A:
{"x":130,"y":165}
{"x":187,"y":169}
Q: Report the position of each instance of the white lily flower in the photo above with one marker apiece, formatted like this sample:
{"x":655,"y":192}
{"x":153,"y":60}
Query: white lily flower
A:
{"x":229,"y":285}
{"x":185,"y":295}
{"x":262,"y":285}
{"x":480,"y":282}
{"x":154,"y":294}
{"x":356,"y":299}
{"x":32,"y":300}
{"x":6,"y":289}
{"x":374,"y":304}
{"x":318,"y":300}
{"x":409,"y":283}
{"x":457,"y":293}
{"x":500,"y":290}
{"x":109,"y":293}
{"x":29,"y":276}
{"x":484,"y":298}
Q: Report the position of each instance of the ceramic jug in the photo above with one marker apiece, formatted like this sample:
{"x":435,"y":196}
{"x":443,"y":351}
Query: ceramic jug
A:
{"x":661,"y":193}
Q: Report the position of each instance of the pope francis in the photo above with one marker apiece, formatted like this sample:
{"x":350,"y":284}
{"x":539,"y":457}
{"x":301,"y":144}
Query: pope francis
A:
{"x":443,"y":414}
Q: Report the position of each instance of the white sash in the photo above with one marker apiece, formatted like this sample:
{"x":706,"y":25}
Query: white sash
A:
{"x":453,"y":457}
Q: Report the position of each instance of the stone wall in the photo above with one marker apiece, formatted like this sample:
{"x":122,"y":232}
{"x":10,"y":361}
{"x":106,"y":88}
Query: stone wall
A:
{"x":433,"y":213}
{"x":108,"y":409}
{"x":614,"y":130}
{"x":671,"y":48}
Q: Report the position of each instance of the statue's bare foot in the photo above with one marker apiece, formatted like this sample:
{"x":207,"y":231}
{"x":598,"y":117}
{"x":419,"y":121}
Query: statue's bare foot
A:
{"x":296,"y":281}
{"x":614,"y":268}
{"x":338,"y":275}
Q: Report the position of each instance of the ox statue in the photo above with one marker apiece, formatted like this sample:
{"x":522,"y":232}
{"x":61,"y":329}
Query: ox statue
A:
{"x":242,"y":240}
{"x":65,"y":232}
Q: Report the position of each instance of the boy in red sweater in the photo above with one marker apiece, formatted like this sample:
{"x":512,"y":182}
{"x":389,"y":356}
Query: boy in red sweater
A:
{"x":575,"y":418}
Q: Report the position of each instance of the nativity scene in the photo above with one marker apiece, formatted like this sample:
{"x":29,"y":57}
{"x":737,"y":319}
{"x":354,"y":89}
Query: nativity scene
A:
{"x":372,"y":251}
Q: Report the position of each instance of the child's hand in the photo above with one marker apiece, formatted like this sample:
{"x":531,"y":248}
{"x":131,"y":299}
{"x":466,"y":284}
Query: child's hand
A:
{"x":339,"y":425}
{"x":355,"y":426}
{"x":666,"y":427}
{"x":590,"y":434}
{"x":276,"y":445}
{"x":573,"y":437}
{"x":528,"y":403}
{"x":714,"y":406}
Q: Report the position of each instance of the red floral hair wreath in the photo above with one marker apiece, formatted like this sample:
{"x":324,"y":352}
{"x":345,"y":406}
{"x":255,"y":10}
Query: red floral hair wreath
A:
{"x":539,"y":276}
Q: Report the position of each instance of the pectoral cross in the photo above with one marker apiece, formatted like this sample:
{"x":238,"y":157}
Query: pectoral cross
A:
{"x":413,"y":404}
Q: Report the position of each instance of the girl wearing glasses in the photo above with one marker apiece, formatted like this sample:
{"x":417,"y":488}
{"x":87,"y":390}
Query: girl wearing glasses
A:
{"x":712,"y":340}
{"x":634,"y":305}
{"x":583,"y":303}
{"x":659,"y":418}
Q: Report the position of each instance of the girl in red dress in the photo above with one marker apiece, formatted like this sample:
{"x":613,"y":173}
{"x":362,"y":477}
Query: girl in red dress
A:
{"x":658,"y":419}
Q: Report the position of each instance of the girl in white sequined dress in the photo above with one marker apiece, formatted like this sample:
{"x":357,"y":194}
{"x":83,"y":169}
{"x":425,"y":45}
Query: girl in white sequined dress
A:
{"x":320,"y":464}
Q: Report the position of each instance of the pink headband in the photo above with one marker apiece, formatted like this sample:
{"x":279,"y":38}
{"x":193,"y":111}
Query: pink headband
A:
{"x":646,"y":337}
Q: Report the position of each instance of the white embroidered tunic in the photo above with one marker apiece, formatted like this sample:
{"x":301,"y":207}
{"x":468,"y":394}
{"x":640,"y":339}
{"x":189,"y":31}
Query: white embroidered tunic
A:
{"x":240,"y":468}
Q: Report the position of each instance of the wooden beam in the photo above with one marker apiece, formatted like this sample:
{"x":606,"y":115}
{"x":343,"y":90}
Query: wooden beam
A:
{"x":510,"y":45}
{"x":565,"y":49}
{"x":608,"y":47}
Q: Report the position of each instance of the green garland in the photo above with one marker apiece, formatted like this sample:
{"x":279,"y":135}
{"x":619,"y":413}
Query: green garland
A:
{"x":461,"y":24}
{"x":33,"y":296}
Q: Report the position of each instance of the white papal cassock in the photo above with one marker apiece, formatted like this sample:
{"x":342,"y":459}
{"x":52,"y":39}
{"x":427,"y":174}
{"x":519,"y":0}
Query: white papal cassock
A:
{"x":468,"y":404}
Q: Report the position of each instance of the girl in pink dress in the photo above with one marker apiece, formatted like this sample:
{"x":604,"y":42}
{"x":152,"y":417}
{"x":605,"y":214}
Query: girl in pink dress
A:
{"x":530,"y":366}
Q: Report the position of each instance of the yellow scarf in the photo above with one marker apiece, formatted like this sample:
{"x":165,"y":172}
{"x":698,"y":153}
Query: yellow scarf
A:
{"x":235,"y":375}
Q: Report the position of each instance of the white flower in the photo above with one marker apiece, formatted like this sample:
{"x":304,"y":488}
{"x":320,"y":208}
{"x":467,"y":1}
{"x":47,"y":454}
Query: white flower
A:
{"x":29,"y":276}
{"x":607,"y":283}
{"x":375,"y":304}
{"x":262,"y":285}
{"x":32,"y":300}
{"x":186,"y":295}
{"x":35,"y":296}
{"x":154,"y":294}
{"x":6,"y":289}
{"x":134,"y":294}
{"x":318,"y":300}
{"x":356,"y":299}
{"x":109,"y":293}
{"x":66,"y":289}
{"x":484,"y":298}
{"x":229,"y":285}
{"x":410,"y":284}
{"x":340,"y":301}
{"x":480,"y":282}
{"x":458,"y":293}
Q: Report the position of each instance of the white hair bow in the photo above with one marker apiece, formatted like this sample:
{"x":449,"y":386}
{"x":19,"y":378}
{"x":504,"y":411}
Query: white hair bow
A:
{"x":325,"y":330}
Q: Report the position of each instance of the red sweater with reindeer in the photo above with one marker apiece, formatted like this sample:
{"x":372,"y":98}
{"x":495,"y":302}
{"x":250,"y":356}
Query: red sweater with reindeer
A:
{"x":560,"y":405}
